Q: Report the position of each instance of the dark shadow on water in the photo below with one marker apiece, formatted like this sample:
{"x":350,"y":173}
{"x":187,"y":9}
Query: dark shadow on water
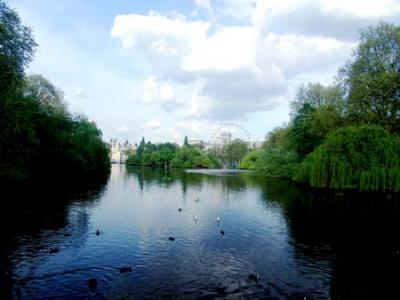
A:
{"x":29,"y":208}
{"x":358,"y":234}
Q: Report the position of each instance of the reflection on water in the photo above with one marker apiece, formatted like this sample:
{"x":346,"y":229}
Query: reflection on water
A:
{"x":302,"y":244}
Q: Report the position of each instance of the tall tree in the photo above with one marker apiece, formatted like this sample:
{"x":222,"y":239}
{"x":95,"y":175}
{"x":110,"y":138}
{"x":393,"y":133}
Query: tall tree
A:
{"x":186,"y":142}
{"x":372,"y":77}
{"x":16,"y":49}
{"x":42,"y":90}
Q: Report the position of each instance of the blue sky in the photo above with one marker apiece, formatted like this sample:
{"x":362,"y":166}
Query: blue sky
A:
{"x":169,"y":68}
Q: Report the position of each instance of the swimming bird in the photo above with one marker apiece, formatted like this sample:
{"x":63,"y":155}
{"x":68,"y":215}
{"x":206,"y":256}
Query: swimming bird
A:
{"x":125,"y":269}
{"x":92,"y":283}
{"x":54,"y":250}
{"x":254,"y":277}
{"x":195,"y":217}
{"x":97,"y":232}
{"x":180,"y":209}
{"x":197,"y":200}
{"x":218,"y":219}
{"x":221,"y":290}
{"x":222,"y":232}
{"x":171,"y":238}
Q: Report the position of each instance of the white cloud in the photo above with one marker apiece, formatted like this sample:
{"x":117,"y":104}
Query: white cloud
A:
{"x":212,"y":72}
{"x":332,"y":18}
{"x":122,"y":129}
{"x":203,"y":4}
{"x":152,"y":124}
{"x":80,"y":93}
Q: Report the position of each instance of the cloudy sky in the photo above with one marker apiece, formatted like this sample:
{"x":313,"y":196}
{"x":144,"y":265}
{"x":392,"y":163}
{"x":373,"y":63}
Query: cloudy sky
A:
{"x":168,"y":68}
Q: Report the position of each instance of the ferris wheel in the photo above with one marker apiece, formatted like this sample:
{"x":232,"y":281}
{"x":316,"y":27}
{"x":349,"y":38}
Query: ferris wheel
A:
{"x":236,"y":131}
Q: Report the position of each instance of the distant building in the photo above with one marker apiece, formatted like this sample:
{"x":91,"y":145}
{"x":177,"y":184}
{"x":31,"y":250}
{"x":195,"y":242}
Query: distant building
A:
{"x":198,"y":143}
{"x":119,"y":152}
{"x":224,"y":138}
{"x":256,"y":145}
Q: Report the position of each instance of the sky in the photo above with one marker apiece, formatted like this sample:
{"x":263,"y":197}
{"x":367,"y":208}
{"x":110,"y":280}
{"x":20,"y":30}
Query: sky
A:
{"x":166,"y":69}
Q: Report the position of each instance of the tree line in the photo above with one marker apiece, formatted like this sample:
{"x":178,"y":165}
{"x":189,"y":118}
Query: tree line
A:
{"x":346,"y":135}
{"x":170,"y":155}
{"x":39,"y":136}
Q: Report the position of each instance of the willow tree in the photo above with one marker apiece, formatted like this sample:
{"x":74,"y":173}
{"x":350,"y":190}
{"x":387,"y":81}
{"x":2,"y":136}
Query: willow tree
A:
{"x":363,"y":158}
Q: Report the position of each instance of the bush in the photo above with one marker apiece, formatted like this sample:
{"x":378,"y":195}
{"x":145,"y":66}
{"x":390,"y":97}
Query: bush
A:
{"x":277,"y":161}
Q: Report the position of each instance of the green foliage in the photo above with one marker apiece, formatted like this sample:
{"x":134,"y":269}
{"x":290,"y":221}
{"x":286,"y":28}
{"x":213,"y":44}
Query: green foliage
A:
{"x":372,"y":77}
{"x":364,"y":158}
{"x":39,"y":88}
{"x":38,"y":136}
{"x":233,"y":152}
{"x":277,"y":161}
{"x":250,"y":160}
{"x":186,"y":142}
{"x":16,"y":50}
{"x":169,"y":155}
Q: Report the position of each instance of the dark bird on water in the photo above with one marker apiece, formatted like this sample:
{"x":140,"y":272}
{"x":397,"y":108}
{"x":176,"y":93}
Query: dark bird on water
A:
{"x":254,"y":277}
{"x":97,"y":232}
{"x":222,"y":232}
{"x":220,"y":290}
{"x":125,"y":269}
{"x":171,"y":238}
{"x":92,"y":283}
{"x":54,"y":250}
{"x":180,"y":209}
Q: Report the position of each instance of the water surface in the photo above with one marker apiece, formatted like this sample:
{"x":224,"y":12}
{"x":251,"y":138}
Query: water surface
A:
{"x":303,"y":244}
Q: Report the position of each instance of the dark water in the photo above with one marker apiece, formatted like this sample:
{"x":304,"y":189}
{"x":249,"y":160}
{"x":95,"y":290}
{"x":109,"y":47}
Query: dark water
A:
{"x":302,"y":244}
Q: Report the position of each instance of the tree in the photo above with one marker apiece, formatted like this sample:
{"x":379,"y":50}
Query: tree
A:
{"x":50,"y":97}
{"x":250,"y":160}
{"x":16,"y":49}
{"x":316,"y":95}
{"x":364,"y":158}
{"x":233,"y":152}
{"x":372,"y":77}
{"x":186,"y":142}
{"x":141,"y":147}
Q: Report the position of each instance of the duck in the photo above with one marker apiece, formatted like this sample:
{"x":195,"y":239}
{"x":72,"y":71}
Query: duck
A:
{"x":92,"y":283}
{"x":218,"y":219}
{"x":97,"y":232}
{"x":222,"y":232}
{"x":54,"y":250}
{"x":179,"y":209}
{"x":125,"y":269}
{"x":171,"y":238}
{"x":254,"y":277}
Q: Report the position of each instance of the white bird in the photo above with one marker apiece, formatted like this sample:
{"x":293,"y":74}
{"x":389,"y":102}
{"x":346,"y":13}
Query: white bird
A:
{"x":218,"y":219}
{"x":195,"y":218}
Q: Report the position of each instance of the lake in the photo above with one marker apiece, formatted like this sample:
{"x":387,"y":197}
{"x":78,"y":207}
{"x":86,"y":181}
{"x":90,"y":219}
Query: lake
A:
{"x":301,"y":243}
